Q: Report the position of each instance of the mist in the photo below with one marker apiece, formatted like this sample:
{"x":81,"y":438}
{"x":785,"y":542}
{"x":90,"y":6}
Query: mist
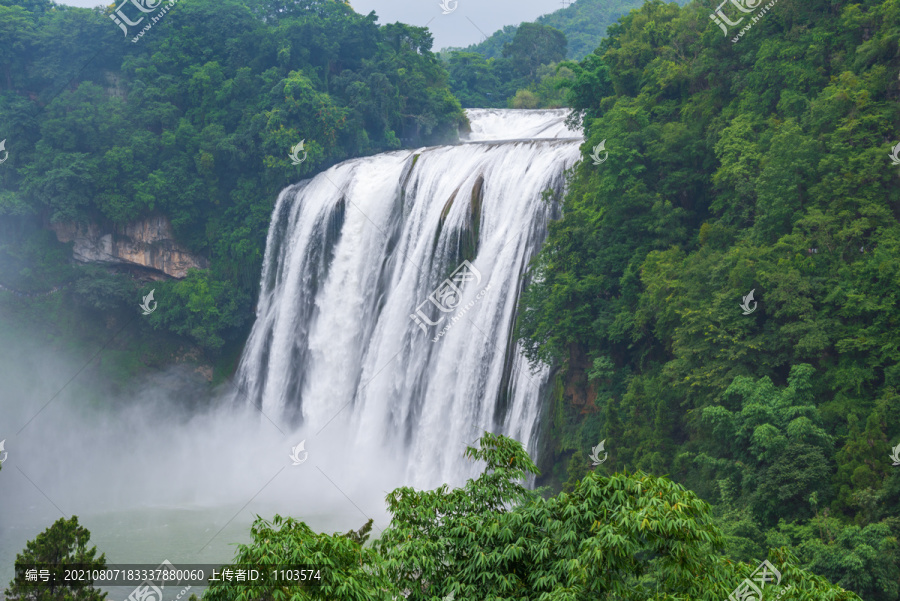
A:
{"x":167,"y":470}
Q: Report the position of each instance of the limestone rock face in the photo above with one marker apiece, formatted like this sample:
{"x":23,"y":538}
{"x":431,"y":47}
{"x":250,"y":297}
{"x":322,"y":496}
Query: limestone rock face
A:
{"x":148,"y":243}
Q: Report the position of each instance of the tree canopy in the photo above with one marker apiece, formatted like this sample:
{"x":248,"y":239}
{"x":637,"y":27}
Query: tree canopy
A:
{"x":63,"y":545}
{"x":628,"y":535}
{"x":758,"y":165}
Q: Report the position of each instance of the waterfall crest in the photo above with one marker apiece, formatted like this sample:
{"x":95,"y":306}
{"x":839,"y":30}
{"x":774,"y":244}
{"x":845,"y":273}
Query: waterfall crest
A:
{"x":507,"y":124}
{"x":342,"y":342}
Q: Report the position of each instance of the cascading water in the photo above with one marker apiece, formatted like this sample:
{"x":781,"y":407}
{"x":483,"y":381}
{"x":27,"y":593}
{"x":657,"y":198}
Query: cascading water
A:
{"x":505,"y":124}
{"x":356,"y":251}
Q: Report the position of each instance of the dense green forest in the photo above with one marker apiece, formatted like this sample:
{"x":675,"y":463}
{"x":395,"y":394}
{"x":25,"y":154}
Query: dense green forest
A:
{"x":528,"y":75}
{"x":195,"y":121}
{"x":584,"y":23}
{"x":521,"y":66}
{"x":758,"y":165}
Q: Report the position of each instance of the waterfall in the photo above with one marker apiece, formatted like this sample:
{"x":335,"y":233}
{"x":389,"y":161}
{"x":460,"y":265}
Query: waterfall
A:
{"x":363,"y":257}
{"x":505,"y":124}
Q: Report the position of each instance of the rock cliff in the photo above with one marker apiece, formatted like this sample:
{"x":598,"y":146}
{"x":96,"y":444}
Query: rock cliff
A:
{"x":148,"y":243}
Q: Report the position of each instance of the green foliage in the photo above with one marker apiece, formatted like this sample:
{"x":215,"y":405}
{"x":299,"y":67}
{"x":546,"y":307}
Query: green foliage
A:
{"x":553,"y":83}
{"x":484,"y":75}
{"x":528,"y":60}
{"x":474,"y":80}
{"x":525,"y":99}
{"x":442,"y":541}
{"x":859,"y":559}
{"x":549,"y":90}
{"x":348,"y":570}
{"x":198,"y":306}
{"x":32,"y":261}
{"x":779,"y":450}
{"x":62,"y":545}
{"x":584,"y":24}
{"x":103,"y":290}
{"x":625,"y":536}
{"x":533,"y":46}
{"x":760,"y":165}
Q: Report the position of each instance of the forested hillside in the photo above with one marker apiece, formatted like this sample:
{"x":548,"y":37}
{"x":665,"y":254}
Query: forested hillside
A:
{"x":532,"y":67}
{"x":584,"y":23}
{"x":523,"y":66}
{"x":759,"y":163}
{"x":194,"y":120}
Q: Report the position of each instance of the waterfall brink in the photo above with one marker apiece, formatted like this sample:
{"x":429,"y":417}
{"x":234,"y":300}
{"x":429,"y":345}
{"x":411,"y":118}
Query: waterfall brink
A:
{"x":505,"y":124}
{"x":356,"y":251}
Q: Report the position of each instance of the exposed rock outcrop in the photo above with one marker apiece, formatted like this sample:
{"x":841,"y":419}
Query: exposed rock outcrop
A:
{"x":147,"y":243}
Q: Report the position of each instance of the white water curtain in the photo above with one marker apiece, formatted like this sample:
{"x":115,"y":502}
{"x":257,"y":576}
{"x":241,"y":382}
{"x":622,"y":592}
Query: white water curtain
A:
{"x":356,"y":250}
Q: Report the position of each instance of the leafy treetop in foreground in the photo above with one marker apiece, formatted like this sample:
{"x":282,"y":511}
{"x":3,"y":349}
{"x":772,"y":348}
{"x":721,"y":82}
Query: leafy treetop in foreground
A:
{"x":64,"y":544}
{"x":626,"y":536}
